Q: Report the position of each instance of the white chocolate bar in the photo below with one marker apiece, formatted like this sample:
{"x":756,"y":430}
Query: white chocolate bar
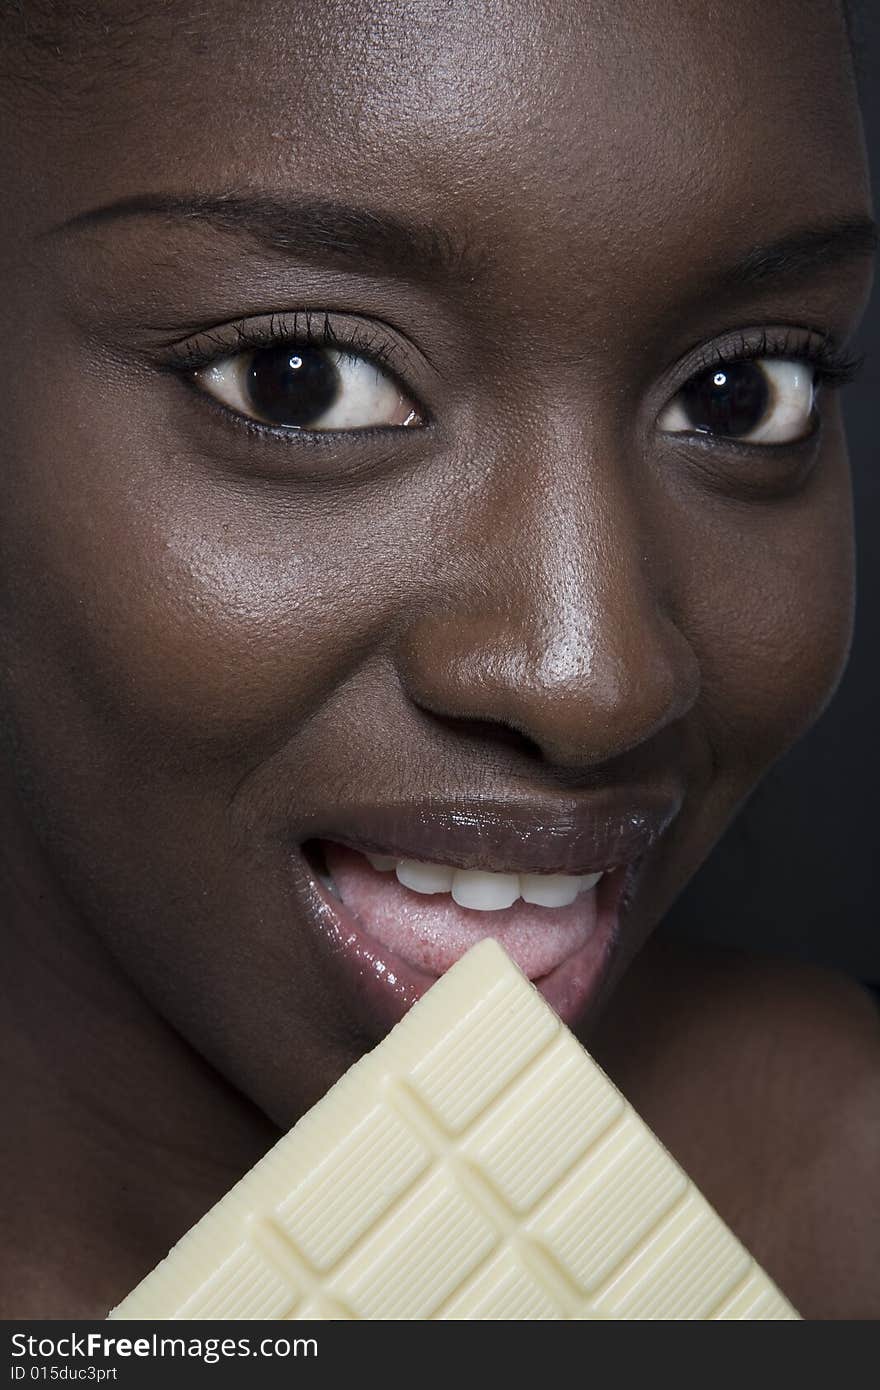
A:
{"x":477,"y":1164}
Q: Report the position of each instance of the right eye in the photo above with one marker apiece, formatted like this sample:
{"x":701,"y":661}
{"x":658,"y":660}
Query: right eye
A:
{"x":308,"y":387}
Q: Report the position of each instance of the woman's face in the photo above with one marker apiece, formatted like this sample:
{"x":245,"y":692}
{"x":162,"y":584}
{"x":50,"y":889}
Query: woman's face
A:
{"x":588,"y":574}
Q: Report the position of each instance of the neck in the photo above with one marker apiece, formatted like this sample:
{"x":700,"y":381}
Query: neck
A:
{"x":117,"y":1136}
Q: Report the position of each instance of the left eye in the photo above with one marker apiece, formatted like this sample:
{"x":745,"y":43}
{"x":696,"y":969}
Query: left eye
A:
{"x":308,"y":388}
{"x":765,"y":400}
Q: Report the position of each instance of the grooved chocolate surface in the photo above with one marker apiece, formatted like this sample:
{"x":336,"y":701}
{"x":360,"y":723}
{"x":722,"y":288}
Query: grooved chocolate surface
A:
{"x":476,"y":1165}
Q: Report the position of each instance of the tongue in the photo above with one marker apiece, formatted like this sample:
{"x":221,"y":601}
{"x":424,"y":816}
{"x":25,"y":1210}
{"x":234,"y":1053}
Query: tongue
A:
{"x":430,"y":930}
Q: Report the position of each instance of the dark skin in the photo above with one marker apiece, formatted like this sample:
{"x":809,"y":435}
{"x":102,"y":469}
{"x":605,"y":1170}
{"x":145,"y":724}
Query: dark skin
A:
{"x":210,"y":636}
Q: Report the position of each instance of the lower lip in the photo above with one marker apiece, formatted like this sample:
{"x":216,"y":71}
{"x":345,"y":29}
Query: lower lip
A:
{"x":382,"y":987}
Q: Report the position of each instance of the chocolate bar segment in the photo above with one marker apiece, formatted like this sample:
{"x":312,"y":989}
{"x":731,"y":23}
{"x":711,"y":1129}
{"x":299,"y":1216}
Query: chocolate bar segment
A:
{"x":477,"y":1164}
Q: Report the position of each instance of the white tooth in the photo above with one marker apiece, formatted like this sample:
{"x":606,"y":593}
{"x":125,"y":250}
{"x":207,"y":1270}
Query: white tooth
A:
{"x":588,"y":881}
{"x":549,"y":890}
{"x":382,"y":862}
{"x":424,"y":878}
{"x":483,"y":891}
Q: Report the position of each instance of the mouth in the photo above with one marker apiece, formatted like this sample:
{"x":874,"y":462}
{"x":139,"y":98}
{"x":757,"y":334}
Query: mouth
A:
{"x":394,"y":918}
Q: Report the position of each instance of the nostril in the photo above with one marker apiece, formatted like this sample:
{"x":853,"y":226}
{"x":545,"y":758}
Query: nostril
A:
{"x":490,"y":731}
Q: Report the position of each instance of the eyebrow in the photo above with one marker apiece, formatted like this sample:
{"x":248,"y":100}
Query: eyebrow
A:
{"x":314,"y":228}
{"x":804,"y":252}
{"x":323,"y":229}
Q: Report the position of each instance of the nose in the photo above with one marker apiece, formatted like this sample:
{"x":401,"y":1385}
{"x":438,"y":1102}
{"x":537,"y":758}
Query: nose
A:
{"x":544,"y":619}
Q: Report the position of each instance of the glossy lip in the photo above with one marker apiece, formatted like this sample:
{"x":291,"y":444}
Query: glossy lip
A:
{"x":565,"y":835}
{"x":381,"y":987}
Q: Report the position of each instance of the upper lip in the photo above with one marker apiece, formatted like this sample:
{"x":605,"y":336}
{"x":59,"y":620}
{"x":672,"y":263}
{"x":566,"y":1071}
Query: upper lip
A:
{"x":570,"y":835}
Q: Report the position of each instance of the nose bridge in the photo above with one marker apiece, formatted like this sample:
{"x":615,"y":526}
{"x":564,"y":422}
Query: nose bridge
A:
{"x":544,"y":617}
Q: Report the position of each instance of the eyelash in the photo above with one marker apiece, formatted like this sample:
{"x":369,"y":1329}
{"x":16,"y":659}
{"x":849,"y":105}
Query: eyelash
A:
{"x":297,"y":329}
{"x":833,"y":366}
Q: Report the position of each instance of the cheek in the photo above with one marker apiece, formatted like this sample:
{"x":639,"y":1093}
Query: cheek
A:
{"x":173,"y":613}
{"x":767,"y":600}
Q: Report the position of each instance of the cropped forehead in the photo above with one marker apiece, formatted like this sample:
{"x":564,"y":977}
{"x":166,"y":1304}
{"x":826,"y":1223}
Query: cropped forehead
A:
{"x":567,"y":127}
{"x":459,"y":89}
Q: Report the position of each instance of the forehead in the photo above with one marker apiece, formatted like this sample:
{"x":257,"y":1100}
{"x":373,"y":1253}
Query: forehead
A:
{"x":463,"y":83}
{"x":571,"y":131}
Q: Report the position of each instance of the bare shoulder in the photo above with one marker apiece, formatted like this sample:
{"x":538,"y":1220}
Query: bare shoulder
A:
{"x":763,"y":1078}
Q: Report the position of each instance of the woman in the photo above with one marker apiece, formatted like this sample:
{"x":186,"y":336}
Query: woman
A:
{"x":421,"y":441}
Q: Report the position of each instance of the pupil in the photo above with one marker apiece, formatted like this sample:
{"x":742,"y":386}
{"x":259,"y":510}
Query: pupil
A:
{"x":292,"y":385}
{"x":728,"y":400}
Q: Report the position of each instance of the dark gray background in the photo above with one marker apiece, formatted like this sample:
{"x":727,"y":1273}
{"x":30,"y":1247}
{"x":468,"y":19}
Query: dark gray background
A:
{"x":798,"y":872}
